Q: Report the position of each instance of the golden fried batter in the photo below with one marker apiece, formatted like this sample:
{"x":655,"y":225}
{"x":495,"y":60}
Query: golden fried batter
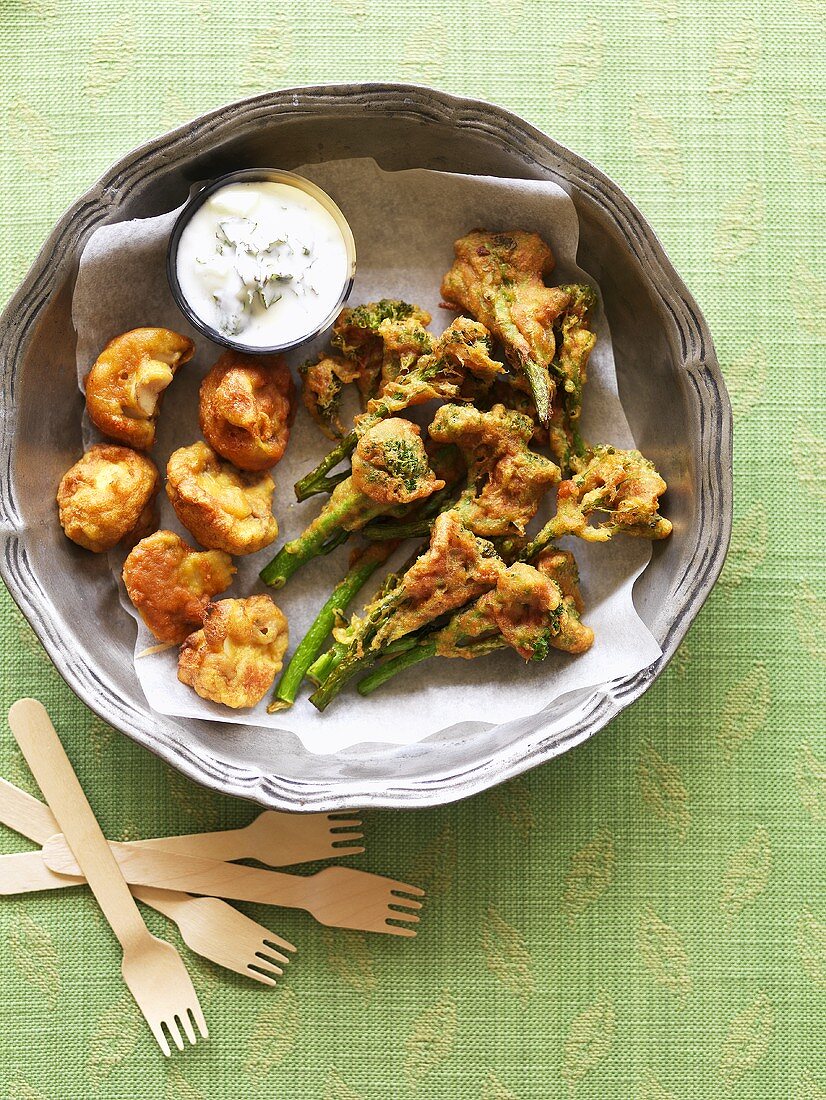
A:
{"x":390,"y":464}
{"x":622,"y":484}
{"x":456,"y":567}
{"x":498,"y":278}
{"x":224,"y":508}
{"x":235,"y":657}
{"x":322,"y":383}
{"x":561,"y":567}
{"x":246,"y":409}
{"x":107,"y":495}
{"x":171,"y":583}
{"x":124,"y":387}
{"x":356,"y":335}
{"x":506,"y":480}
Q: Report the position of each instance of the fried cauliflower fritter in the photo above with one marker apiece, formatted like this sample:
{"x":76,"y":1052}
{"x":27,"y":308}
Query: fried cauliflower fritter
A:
{"x":108,"y":495}
{"x":224,"y":508}
{"x":124,"y":387}
{"x":498,"y":278}
{"x":247,"y":406}
{"x":234,"y":658}
{"x":171,"y":583}
{"x":322,"y":383}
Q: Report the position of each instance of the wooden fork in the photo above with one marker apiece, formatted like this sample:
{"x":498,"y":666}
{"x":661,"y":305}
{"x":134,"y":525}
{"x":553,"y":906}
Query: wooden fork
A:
{"x":279,"y":840}
{"x":341,"y":897}
{"x":209,"y":927}
{"x":153,"y":970}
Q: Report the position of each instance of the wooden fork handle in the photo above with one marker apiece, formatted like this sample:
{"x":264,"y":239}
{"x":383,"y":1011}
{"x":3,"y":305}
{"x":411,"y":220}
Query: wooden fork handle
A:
{"x":45,"y":755}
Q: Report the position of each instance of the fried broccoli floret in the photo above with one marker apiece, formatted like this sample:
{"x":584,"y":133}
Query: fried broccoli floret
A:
{"x":390,"y":471}
{"x":454,"y":569}
{"x":108,"y":496}
{"x":322,"y":385}
{"x":528,"y":611}
{"x":246,"y":409}
{"x":506,"y":480}
{"x":171,"y":583}
{"x":356,"y":335}
{"x":575,"y":342}
{"x":498,"y":278}
{"x":234,"y":658}
{"x":622,"y":485}
{"x":224,"y":508}
{"x":124,"y":387}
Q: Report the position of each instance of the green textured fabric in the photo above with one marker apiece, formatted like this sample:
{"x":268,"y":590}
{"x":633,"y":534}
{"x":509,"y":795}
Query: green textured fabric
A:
{"x":645,"y":917}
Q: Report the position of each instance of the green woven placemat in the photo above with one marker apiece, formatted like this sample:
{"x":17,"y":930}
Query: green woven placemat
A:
{"x":646,"y":917}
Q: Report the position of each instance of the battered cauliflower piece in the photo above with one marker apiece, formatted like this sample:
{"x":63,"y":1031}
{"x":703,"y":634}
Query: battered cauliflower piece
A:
{"x":171,"y":583}
{"x":224,"y":508}
{"x":124,"y":387}
{"x":247,"y":406}
{"x":107,"y":495}
{"x":236,"y":655}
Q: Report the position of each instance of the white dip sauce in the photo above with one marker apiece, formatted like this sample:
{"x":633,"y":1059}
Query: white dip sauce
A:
{"x":263,"y":263}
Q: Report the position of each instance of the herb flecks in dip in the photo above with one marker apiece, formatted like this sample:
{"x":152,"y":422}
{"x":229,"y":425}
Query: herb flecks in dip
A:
{"x":262,"y":263}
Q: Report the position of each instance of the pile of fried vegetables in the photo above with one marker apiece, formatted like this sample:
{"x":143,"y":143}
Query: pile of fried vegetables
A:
{"x":471,"y":487}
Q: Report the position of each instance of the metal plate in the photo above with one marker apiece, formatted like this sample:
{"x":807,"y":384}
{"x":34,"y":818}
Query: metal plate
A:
{"x":669,"y":380}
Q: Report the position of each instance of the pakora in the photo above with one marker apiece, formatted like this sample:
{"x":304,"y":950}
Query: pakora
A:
{"x":356,"y":335}
{"x":171,"y":583}
{"x":108,"y":496}
{"x":498,"y":278}
{"x":323,"y":382}
{"x":247,"y":406}
{"x":125,"y":385}
{"x":223,"y":507}
{"x":234,"y":658}
{"x":622,"y":485}
{"x":390,"y":471}
{"x":506,"y":480}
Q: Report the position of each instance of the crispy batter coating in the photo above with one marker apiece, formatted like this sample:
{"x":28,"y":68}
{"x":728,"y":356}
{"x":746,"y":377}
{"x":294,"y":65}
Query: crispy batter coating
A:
{"x":622,"y":484}
{"x":512,"y":391}
{"x":124,"y":387}
{"x":526,"y":611}
{"x":506,"y":480}
{"x":560,"y":566}
{"x":322,"y":385}
{"x":247,"y":406}
{"x":377,"y":357}
{"x":108,"y":495}
{"x":498,"y":278}
{"x":236,"y":655}
{"x":171,"y":583}
{"x":224,"y":508}
{"x":390,"y":464}
{"x":456,"y":567}
{"x":456,"y":367}
{"x":575,"y":342}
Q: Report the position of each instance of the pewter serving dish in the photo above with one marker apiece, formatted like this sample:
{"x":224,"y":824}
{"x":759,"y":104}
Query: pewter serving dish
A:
{"x":669,"y":380}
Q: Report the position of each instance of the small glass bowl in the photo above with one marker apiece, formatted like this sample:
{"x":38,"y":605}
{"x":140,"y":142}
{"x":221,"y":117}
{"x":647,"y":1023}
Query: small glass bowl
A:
{"x":257,"y":175}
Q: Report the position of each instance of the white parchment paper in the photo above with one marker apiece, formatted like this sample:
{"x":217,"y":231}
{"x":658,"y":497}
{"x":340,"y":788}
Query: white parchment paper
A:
{"x":404,"y":225}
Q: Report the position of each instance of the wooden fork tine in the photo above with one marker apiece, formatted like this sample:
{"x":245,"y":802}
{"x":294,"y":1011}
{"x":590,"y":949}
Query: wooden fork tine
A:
{"x":396,"y":930}
{"x":175,"y":1032}
{"x":198,"y":1016}
{"x":336,"y":824}
{"x":270,"y":950}
{"x":156,"y":1027}
{"x":257,"y":976}
{"x":186,"y":1021}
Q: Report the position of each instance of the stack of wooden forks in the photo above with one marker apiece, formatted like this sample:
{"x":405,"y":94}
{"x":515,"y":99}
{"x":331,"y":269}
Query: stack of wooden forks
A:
{"x":184,"y":877}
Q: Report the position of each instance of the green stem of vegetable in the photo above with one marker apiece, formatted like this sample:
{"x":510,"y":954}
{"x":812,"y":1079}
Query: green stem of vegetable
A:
{"x":388,"y":669}
{"x":380,"y":530}
{"x":315,"y":481}
{"x":286,"y":690}
{"x":552,"y":531}
{"x":540,"y":383}
{"x":345,"y":670}
{"x":288,"y":561}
